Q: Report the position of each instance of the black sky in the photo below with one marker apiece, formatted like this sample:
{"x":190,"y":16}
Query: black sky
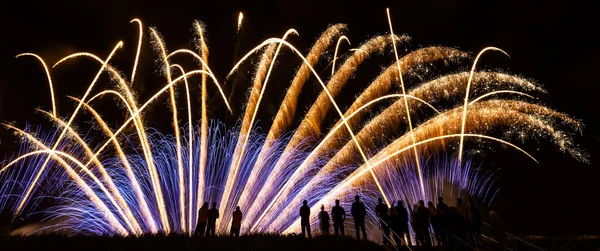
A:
{"x":553,"y":42}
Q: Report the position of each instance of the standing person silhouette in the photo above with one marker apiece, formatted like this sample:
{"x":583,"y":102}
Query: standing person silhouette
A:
{"x":213,"y":215}
{"x":476,"y":223}
{"x":433,"y":221}
{"x":305,"y":219}
{"x":395,"y":225}
{"x":202,"y":218}
{"x":236,"y":222}
{"x":464,"y":221}
{"x":324,"y":221}
{"x":358,"y":213}
{"x":338,"y":215}
{"x":422,"y":218}
{"x":443,"y":222}
{"x":382,"y":213}
{"x":403,"y":221}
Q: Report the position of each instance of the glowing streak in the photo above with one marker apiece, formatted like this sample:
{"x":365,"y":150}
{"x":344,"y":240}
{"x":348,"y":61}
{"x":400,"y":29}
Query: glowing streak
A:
{"x":111,"y":185}
{"x":135,"y":183}
{"x":233,"y":170}
{"x":49,"y":79}
{"x":203,"y":126}
{"x":240,"y":19}
{"x":304,"y":164}
{"x":337,"y":108}
{"x":143,"y":107}
{"x":464,"y":120}
{"x":138,"y":122}
{"x":137,"y":54}
{"x":82,"y":184}
{"x":282,"y":121}
{"x":62,"y":134}
{"x":129,"y":101}
{"x":137,"y":113}
{"x":405,"y":105}
{"x":119,"y":95}
{"x":53,"y":153}
{"x":177,"y":135}
{"x":359,"y":49}
{"x":334,"y":192}
{"x":379,"y":86}
{"x":337,"y":46}
{"x":208,"y":72}
{"x":190,"y":149}
{"x":498,"y":92}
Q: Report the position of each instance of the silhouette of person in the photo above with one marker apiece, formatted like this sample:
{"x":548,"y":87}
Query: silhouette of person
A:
{"x":414,"y":222}
{"x":213,"y":215}
{"x":338,"y":215}
{"x":433,"y":220}
{"x":454,"y":223}
{"x":236,"y":222}
{"x":382,"y":213}
{"x":403,"y":221}
{"x":498,"y":230}
{"x":464,"y":223}
{"x":305,"y":219}
{"x":358,"y":213}
{"x":476,"y":223}
{"x":422,"y":220}
{"x":443,"y":222}
{"x":324,"y":221}
{"x":202,"y":218}
{"x":394,"y":224}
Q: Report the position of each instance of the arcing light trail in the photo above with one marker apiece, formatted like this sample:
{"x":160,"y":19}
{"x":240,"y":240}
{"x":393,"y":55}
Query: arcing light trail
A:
{"x":147,"y":182}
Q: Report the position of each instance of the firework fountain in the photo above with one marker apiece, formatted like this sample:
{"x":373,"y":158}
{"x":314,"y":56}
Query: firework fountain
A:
{"x":398,"y":140}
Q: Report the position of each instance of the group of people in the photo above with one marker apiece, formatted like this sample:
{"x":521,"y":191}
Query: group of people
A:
{"x":449,"y":224}
{"x":338,"y":216}
{"x":207,"y":220}
{"x":462,"y":222}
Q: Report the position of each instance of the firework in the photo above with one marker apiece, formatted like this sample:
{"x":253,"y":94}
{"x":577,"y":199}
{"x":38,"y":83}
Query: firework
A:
{"x":399,"y":139}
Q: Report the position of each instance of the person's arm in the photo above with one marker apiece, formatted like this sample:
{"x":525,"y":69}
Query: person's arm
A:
{"x":344,"y":213}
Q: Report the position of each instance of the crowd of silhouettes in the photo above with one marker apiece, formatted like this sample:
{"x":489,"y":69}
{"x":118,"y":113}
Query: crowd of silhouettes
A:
{"x":432,"y":224}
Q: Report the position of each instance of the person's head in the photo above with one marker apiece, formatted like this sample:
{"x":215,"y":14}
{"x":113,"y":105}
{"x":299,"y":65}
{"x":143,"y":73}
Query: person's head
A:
{"x":440,"y":199}
{"x":205,"y":204}
{"x":380,"y":200}
{"x":322,"y":207}
{"x":357,"y":198}
{"x":459,"y":201}
{"x":493,"y":215}
{"x":393,"y":211}
{"x":421,"y":203}
{"x":237,"y":208}
{"x":214,"y":205}
{"x":337,"y":202}
{"x":430,"y":204}
{"x":305,"y":203}
{"x":400,"y":204}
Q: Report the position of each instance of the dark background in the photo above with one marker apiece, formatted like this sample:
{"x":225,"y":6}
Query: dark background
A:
{"x":552,"y":42}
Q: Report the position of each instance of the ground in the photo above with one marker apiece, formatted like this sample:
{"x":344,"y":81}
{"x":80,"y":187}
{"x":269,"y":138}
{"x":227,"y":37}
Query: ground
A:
{"x":176,"y":242}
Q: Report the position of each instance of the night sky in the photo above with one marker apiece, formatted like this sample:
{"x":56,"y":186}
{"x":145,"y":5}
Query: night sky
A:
{"x":552,"y":42}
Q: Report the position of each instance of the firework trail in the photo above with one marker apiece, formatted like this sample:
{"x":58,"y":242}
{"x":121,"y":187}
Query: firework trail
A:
{"x":403,"y":137}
